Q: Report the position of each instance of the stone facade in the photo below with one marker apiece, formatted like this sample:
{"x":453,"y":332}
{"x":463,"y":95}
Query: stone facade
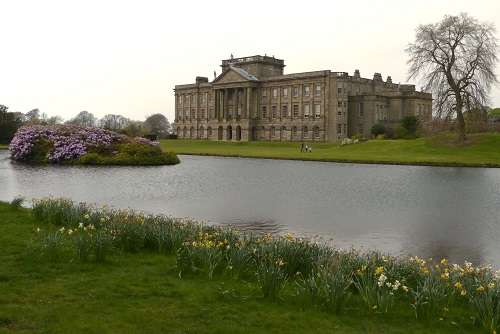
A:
{"x":252,"y":99}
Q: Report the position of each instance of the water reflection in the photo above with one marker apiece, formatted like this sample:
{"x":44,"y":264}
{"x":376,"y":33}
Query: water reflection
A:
{"x":402,"y":210}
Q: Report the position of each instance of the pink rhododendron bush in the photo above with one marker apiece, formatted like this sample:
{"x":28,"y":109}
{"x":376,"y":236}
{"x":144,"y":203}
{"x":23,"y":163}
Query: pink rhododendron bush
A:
{"x":85,"y":145}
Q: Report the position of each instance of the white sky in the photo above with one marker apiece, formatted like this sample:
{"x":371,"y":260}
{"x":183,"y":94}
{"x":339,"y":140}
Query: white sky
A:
{"x":125,"y":57}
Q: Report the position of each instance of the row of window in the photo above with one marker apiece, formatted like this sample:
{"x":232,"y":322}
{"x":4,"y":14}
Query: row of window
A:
{"x":343,"y":88}
{"x":295,"y":111}
{"x":264,"y":110}
{"x":272,"y":132}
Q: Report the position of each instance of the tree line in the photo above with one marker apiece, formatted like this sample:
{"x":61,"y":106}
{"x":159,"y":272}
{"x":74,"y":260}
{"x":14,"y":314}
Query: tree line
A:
{"x":155,"y":124}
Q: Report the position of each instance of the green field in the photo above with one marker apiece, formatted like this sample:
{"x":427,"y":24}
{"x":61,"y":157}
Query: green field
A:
{"x":478,"y":150}
{"x":141,"y":292}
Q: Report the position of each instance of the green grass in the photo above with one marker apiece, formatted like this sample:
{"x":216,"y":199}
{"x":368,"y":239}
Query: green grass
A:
{"x":4,"y":146}
{"x":478,"y":150}
{"x":141,"y":292}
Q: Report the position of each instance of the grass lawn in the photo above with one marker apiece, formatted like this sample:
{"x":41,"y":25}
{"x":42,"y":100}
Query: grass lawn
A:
{"x":142,"y":293}
{"x":478,"y":150}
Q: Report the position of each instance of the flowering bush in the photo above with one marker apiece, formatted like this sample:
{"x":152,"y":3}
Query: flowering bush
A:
{"x":84,"y":144}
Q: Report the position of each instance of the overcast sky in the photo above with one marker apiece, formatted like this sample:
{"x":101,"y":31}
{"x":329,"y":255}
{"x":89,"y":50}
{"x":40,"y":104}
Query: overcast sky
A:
{"x":125,"y":57}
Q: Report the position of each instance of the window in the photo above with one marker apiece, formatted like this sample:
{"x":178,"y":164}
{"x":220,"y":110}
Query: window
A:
{"x":316,"y":132}
{"x":203,"y":97}
{"x":210,"y":97}
{"x":345,"y":104}
{"x":264,"y":111}
{"x":294,"y":132}
{"x":339,"y":104}
{"x":274,"y":111}
{"x":264,"y":93}
{"x":306,"y":111}
{"x":284,"y":111}
{"x":305,"y":132}
{"x":209,"y":130}
{"x":361,"y":109}
{"x":360,"y":128}
{"x":339,"y":112}
{"x":202,"y":113}
{"x":186,"y":114}
{"x":239,"y":95}
{"x":295,"y":91}
{"x":317,"y":110}
{"x":193,"y":113}
{"x":339,"y":88}
{"x":210,"y":113}
{"x":275,"y":93}
{"x":339,"y":129}
{"x":317,"y":90}
{"x":239,"y":111}
{"x":295,"y":111}
{"x":180,"y":99}
{"x":193,"y":98}
{"x":230,"y":94}
{"x":306,"y":91}
{"x":285,"y":92}
{"x":262,"y":132}
{"x":273,"y":132}
{"x":229,"y":112}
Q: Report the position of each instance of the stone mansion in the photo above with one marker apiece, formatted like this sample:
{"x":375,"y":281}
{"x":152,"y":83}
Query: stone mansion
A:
{"x":252,"y":99}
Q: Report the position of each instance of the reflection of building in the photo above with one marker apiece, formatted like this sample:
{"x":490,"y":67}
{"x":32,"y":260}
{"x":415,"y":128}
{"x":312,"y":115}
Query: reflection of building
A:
{"x":253,"y":100}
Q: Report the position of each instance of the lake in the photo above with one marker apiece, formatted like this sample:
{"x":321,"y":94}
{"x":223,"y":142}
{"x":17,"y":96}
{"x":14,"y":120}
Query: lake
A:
{"x":439,"y":212}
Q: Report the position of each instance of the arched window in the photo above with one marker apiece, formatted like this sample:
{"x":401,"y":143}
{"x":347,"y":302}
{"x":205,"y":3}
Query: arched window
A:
{"x":305,"y":132}
{"x":294,"y":132}
{"x":316,"y":132}
{"x":262,"y":132}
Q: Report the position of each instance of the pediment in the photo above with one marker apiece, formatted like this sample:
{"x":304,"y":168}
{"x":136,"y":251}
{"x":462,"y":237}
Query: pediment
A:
{"x":231,"y":75}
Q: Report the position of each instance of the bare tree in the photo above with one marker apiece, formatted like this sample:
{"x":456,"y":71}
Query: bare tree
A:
{"x":84,"y":118}
{"x":455,"y":59}
{"x":113,"y":122}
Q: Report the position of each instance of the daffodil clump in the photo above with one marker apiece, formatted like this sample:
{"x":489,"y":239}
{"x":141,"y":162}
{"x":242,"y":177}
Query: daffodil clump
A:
{"x":319,"y":275}
{"x":85,"y":145}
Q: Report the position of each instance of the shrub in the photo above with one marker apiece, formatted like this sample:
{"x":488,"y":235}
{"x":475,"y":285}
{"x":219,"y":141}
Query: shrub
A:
{"x":357,"y":137}
{"x":378,"y":129}
{"x":87,"y":145}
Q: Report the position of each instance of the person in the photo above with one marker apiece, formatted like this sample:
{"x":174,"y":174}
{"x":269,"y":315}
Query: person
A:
{"x":307,"y":147}
{"x":302,"y":147}
{"x":310,"y":149}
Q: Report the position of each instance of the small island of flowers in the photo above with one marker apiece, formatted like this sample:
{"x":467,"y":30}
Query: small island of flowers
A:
{"x":74,"y":144}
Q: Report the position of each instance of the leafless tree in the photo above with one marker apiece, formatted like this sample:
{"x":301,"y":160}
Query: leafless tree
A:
{"x":84,"y":118}
{"x":113,"y":122}
{"x":455,"y":59}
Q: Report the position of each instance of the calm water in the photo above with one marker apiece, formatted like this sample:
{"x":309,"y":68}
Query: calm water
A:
{"x":403,"y":210}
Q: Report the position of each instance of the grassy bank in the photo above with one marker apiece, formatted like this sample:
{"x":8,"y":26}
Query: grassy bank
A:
{"x":165,"y":276}
{"x":478,"y":150}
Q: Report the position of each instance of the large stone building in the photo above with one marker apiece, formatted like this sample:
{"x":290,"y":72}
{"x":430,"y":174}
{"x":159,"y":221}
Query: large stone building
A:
{"x":252,"y":99}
